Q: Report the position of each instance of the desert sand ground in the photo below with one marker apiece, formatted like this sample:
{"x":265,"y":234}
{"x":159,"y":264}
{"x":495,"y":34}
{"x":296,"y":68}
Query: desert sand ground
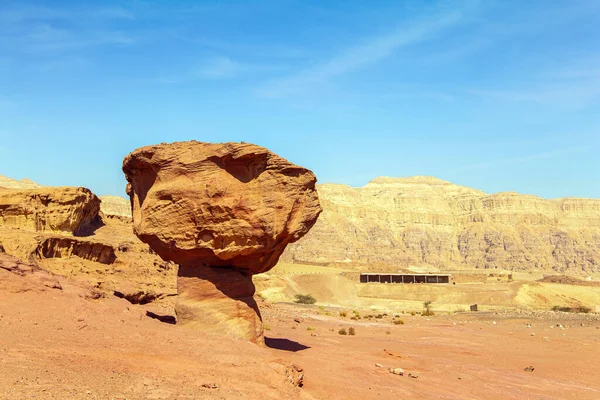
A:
{"x":63,"y":344}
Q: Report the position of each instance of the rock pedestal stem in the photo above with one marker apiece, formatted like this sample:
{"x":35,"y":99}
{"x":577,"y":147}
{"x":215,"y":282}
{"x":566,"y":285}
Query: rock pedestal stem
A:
{"x":220,"y":301}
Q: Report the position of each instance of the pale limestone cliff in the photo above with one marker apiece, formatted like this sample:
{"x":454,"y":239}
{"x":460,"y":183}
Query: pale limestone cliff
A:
{"x":115,"y":206}
{"x":9,"y":183}
{"x":395,"y":223}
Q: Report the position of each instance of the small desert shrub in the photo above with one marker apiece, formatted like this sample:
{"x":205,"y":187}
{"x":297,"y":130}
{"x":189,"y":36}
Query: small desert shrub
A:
{"x":294,"y":327}
{"x":328,"y":314}
{"x":343,"y":314}
{"x":260,"y":295}
{"x":578,"y":309}
{"x":351,"y":331}
{"x":427,"y":307}
{"x":266,"y":327}
{"x":379,"y":316}
{"x":305,"y":299}
{"x":356,"y":314}
{"x":388,"y":332}
{"x":355,"y":318}
{"x":398,"y":322}
{"x":342,"y":331}
{"x":413,"y":313}
{"x":310,"y":328}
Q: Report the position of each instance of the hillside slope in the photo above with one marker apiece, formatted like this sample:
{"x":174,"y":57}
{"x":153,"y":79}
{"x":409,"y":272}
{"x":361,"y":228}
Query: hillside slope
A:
{"x":394,"y":223}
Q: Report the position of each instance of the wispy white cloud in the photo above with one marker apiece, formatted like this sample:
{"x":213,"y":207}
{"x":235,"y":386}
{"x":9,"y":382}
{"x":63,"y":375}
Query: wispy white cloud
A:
{"x":571,"y":94}
{"x":216,"y":68}
{"x":46,"y":38}
{"x":219,"y":68}
{"x":23,"y":13}
{"x":498,"y":163}
{"x":370,"y":51}
{"x":28,"y":29}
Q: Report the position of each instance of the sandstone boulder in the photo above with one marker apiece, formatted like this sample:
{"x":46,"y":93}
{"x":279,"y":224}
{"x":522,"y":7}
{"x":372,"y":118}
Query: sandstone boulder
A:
{"x":223,"y":212}
{"x":61,"y":209}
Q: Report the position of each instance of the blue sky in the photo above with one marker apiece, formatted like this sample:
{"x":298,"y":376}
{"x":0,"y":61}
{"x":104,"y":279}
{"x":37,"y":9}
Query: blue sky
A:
{"x":496,"y":95}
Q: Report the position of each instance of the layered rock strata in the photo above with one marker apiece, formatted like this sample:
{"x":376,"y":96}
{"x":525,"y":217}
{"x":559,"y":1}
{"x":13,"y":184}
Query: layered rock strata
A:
{"x":223,"y":212}
{"x":397,"y":223}
{"x":62,"y":209}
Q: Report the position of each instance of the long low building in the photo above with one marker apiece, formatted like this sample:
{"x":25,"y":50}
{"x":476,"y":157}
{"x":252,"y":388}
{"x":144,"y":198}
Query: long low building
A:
{"x":404,"y":278}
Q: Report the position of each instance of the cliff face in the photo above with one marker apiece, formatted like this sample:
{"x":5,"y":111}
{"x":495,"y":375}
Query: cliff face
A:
{"x":395,"y":223}
{"x":63,"y":209}
{"x":115,"y":206}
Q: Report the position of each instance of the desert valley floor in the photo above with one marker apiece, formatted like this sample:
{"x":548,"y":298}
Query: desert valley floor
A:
{"x":72,"y":346}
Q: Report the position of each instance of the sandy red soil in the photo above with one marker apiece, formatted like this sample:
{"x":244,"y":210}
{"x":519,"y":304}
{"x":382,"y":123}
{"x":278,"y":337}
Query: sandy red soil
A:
{"x":58,"y":344}
{"x":456,"y":357}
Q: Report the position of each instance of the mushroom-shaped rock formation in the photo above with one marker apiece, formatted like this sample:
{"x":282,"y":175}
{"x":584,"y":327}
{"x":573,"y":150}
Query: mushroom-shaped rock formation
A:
{"x":223,"y":212}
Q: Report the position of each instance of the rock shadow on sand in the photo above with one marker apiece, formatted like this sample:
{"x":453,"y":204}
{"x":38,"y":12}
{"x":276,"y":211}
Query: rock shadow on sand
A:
{"x":284,"y":344}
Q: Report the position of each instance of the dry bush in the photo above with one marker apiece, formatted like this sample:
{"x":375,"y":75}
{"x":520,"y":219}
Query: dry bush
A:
{"x":305,"y":299}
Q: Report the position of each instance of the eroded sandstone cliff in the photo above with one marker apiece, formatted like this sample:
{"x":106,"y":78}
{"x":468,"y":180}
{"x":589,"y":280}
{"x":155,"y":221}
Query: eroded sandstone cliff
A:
{"x":62,"y":209}
{"x":395,"y":223}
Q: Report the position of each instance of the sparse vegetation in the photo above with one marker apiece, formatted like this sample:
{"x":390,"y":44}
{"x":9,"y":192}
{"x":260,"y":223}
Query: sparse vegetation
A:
{"x":577,"y":309}
{"x":356,"y":314}
{"x":310,"y":328}
{"x":266,"y":327}
{"x":343,"y":314}
{"x":388,"y":332}
{"x":427,"y":307}
{"x":398,"y":322}
{"x":413,"y":313}
{"x":305,"y":299}
{"x":351,"y":331}
{"x":342,"y":331}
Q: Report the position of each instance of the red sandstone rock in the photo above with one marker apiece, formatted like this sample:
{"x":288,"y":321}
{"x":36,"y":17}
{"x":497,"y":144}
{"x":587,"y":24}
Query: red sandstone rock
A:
{"x":61,"y":209}
{"x":223,"y":212}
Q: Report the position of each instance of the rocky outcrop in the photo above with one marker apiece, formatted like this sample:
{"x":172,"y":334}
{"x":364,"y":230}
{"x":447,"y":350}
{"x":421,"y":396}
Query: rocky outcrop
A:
{"x":223,"y":212}
{"x":65,"y":247}
{"x":63,"y":209}
{"x":8,"y":183}
{"x":115,"y":206}
{"x":396,"y":223}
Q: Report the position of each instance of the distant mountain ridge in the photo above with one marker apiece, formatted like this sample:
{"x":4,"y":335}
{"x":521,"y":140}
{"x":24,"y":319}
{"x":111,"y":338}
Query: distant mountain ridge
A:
{"x":421,"y":221}
{"x":394,"y":223}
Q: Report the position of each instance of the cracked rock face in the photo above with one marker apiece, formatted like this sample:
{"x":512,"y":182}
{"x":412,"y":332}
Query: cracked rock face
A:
{"x":223,"y":212}
{"x":61,"y":209}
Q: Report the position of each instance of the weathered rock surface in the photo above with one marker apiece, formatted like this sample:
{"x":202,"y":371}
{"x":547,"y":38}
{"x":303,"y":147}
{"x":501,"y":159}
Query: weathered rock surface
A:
{"x":426,"y":222}
{"x":60,"y":230}
{"x":62,"y":209}
{"x":115,"y":206}
{"x":222,"y":212}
